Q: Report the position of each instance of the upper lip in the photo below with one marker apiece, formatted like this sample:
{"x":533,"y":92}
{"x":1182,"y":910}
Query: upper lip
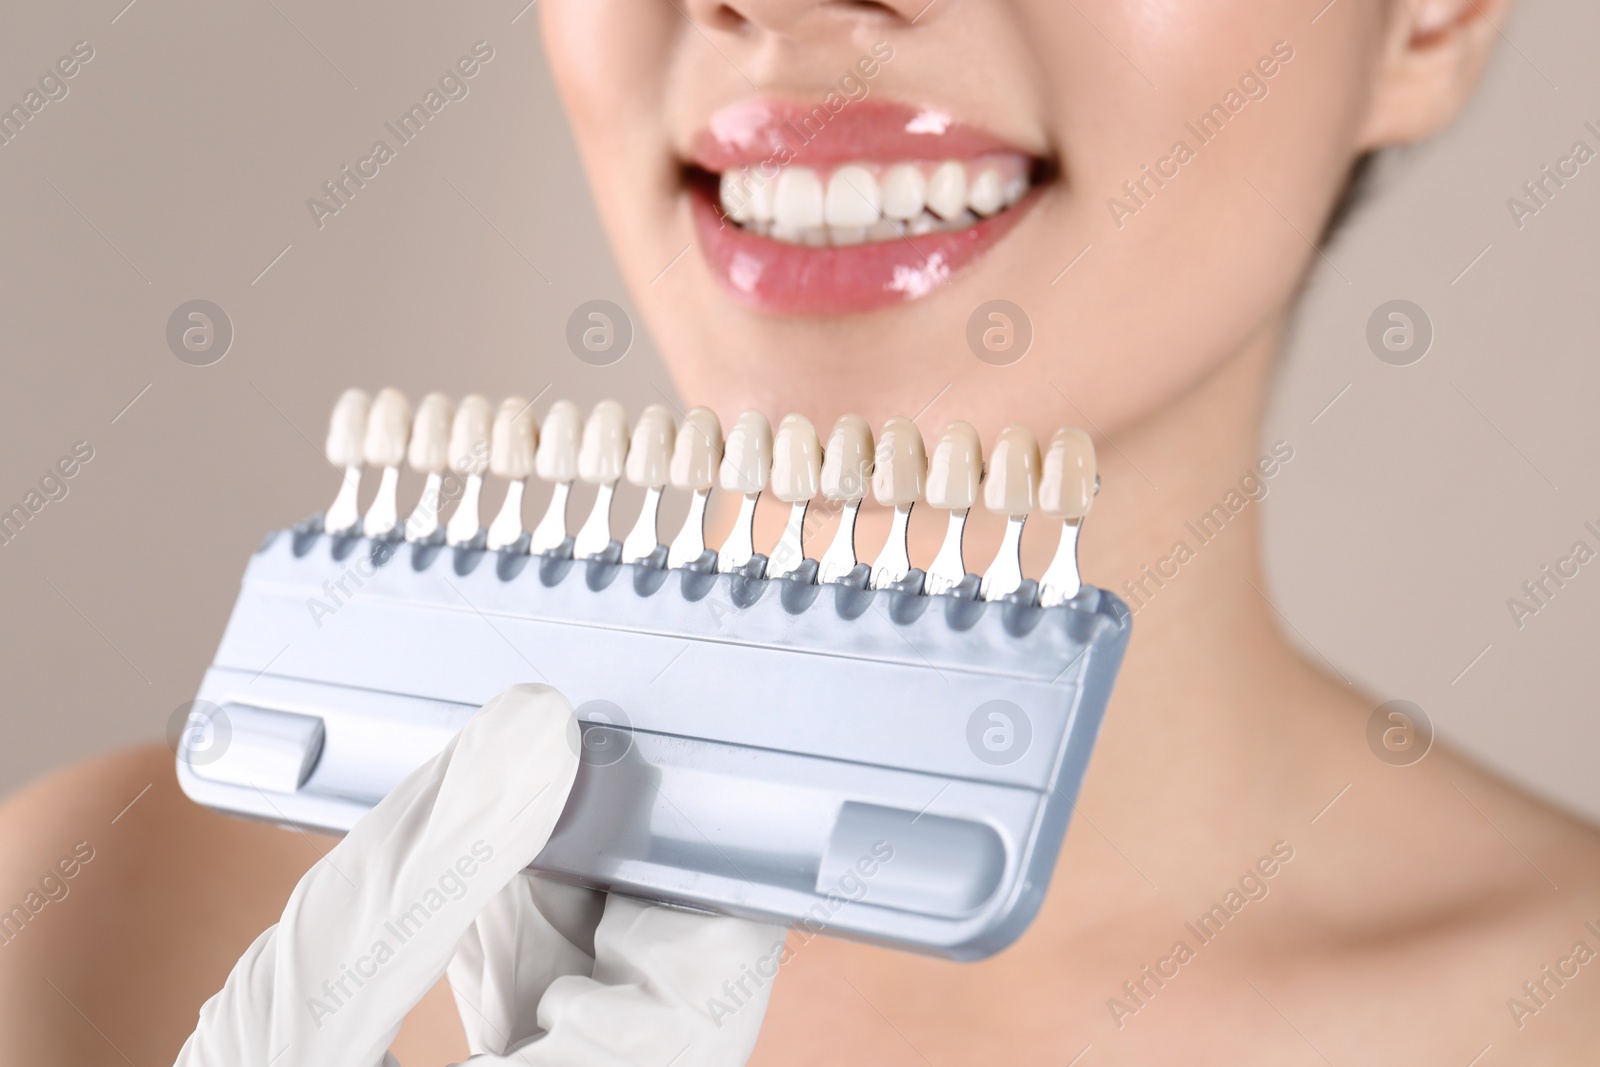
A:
{"x":753,"y":131}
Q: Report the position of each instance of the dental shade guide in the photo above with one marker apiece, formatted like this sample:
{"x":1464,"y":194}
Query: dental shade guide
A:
{"x":898,"y":472}
{"x":846,"y":472}
{"x":556,"y":461}
{"x":746,"y":463}
{"x":347,"y":431}
{"x":696,"y":459}
{"x":469,"y":455}
{"x":1011,"y":489}
{"x":388,"y":431}
{"x":511,"y":450}
{"x":778,"y":711}
{"x":647,"y":466}
{"x":955,"y":471}
{"x":796,"y":476}
{"x":601,"y":456}
{"x":1067,"y":487}
{"x":429,"y":455}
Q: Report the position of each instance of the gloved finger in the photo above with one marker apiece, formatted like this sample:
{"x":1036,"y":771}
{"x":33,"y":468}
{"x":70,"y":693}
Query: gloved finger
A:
{"x":668,"y":986}
{"x":534,"y":931}
{"x":370,"y":928}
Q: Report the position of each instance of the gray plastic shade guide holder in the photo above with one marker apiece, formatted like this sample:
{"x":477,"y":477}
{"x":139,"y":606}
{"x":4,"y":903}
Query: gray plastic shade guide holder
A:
{"x":766,"y":748}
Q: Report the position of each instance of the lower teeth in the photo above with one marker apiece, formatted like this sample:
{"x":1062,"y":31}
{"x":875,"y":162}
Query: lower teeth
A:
{"x":845,"y":236}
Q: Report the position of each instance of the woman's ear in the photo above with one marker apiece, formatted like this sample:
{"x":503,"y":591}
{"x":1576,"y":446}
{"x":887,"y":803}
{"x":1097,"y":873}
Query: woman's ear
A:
{"x":1433,"y":55}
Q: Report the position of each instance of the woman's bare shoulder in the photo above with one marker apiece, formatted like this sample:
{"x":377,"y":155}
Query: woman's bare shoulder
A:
{"x":123,"y":905}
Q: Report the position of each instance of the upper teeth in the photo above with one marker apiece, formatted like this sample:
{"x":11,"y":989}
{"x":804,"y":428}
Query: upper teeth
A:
{"x":865,"y":201}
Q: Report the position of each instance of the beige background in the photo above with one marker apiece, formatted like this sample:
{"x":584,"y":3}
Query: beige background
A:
{"x":179,"y":165}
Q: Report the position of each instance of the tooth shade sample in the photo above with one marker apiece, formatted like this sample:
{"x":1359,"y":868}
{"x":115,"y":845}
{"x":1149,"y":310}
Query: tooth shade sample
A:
{"x":847,"y":461}
{"x":846,"y":469}
{"x":1066,"y":483}
{"x":898,"y":472}
{"x":901,"y":464}
{"x":955,"y":471}
{"x":557,"y":461}
{"x":696,"y":455}
{"x":987,"y":193}
{"x":746,"y":462}
{"x":649,"y":456}
{"x":511,"y":457}
{"x":797,"y":202}
{"x":429,"y":451}
{"x":1066,"y":491}
{"x":905,"y":192}
{"x":947,"y":190}
{"x":796,"y":460}
{"x":650,"y":448}
{"x":1012,"y":487}
{"x":469,"y":455}
{"x":796,"y":473}
{"x":388,"y":430}
{"x":346,"y":431}
{"x":601,"y":457}
{"x":604,"y":447}
{"x":557,"y":458}
{"x":428,"y":454}
{"x":852,"y":198}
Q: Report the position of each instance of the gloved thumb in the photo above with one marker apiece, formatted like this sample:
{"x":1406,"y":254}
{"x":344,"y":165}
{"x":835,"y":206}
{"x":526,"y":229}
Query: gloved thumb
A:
{"x":371,"y":927}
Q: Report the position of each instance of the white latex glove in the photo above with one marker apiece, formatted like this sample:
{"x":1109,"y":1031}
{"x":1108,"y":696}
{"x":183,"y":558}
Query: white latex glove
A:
{"x":545,"y":973}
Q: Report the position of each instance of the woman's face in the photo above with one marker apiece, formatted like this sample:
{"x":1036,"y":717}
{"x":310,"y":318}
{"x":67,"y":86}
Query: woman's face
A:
{"x":812,"y":201}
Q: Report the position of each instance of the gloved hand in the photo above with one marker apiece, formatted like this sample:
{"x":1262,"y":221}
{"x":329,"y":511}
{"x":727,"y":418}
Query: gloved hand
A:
{"x":543,"y":973}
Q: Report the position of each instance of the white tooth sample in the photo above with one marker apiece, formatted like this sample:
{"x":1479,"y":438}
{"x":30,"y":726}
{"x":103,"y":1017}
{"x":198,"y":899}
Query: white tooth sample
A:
{"x":987,"y":194}
{"x":388,"y":430}
{"x":1066,"y":491}
{"x":852,"y":198}
{"x":746,"y":462}
{"x":696,"y":457}
{"x":947,"y":190}
{"x":429,"y":455}
{"x":734,"y":192}
{"x":955,"y":471}
{"x":649,"y":459}
{"x":556,"y":461}
{"x":1012,"y":490}
{"x":905,"y":192}
{"x":898,"y":472}
{"x":796,"y":476}
{"x":347,"y":430}
{"x":796,"y":203}
{"x":602,"y":454}
{"x":511,"y":457}
{"x":846,"y":469}
{"x":469,"y":457}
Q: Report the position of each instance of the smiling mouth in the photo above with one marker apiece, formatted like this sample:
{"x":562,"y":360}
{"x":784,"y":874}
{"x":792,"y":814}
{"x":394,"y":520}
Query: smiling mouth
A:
{"x":806,"y":212}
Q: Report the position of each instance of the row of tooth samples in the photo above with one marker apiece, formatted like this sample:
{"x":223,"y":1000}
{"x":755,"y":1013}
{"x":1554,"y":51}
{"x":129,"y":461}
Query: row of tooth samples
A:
{"x":1019,"y":481}
{"x":857,"y":202}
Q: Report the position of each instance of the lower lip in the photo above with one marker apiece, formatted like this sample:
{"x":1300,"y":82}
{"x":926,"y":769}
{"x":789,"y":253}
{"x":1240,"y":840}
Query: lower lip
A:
{"x":787,"y":279}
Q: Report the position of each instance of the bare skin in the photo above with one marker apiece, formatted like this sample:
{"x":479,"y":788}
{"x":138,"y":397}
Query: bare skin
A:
{"x":1418,"y":900}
